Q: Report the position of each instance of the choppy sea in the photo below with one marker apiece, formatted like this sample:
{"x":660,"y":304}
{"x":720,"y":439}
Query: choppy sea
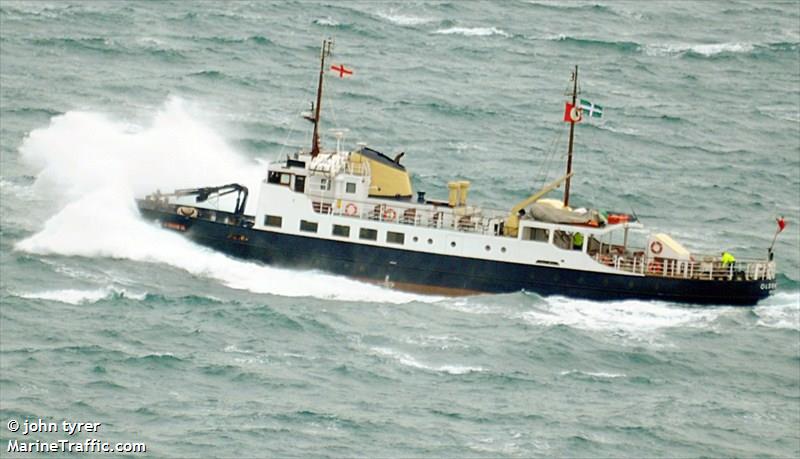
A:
{"x":105,"y":318}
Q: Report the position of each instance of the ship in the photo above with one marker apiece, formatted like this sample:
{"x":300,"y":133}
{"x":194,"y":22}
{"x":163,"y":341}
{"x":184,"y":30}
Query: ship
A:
{"x":353,"y":212}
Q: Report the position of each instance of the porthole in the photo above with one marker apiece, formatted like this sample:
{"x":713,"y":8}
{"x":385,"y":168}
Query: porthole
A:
{"x":415,"y":239}
{"x":430,"y":241}
{"x":503,"y":249}
{"x":488,"y":248}
{"x":453,"y":244}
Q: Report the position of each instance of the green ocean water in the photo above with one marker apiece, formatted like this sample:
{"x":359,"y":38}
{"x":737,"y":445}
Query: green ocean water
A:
{"x":105,"y":318}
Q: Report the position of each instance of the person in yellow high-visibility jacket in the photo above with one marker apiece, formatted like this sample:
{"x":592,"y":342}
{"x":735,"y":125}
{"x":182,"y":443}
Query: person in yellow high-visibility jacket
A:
{"x":727,"y":259}
{"x":577,"y":241}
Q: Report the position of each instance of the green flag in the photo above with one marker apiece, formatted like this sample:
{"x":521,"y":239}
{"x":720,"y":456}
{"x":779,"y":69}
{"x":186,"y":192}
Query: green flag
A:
{"x":591,"y":110}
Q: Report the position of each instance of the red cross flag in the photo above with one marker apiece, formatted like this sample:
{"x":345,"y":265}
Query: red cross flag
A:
{"x":341,"y":70}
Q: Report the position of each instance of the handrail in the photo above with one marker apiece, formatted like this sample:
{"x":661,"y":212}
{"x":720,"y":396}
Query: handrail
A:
{"x":707,"y":267}
{"x":465,"y":219}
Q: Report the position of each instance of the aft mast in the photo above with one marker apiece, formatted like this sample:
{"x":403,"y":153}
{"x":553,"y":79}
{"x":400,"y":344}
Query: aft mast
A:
{"x":326,"y":51}
{"x":574,"y":117}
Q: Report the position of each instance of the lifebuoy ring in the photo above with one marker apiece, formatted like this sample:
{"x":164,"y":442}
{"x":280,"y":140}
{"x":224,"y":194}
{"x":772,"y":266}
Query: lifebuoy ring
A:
{"x":351,"y":209}
{"x":654,"y":267}
{"x":656,"y":247}
{"x":576,"y":115}
{"x":389,"y":214}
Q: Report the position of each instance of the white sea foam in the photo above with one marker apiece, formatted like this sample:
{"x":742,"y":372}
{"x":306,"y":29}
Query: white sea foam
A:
{"x":596,"y":374}
{"x":22,"y":191}
{"x":410,"y":361}
{"x":404,"y":20}
{"x":326,"y":21}
{"x":77,"y":296}
{"x":704,"y":49}
{"x":100,"y":165}
{"x":783,"y":311}
{"x":632,"y":318}
{"x":472,"y":31}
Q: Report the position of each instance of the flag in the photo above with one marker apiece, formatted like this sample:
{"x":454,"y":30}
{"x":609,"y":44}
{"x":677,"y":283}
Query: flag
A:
{"x":341,"y":70}
{"x":594,"y":111}
{"x":781,"y":224}
{"x":572,"y":114}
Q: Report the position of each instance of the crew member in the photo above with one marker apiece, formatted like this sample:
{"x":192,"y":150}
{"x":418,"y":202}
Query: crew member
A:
{"x":727,"y":259}
{"x":577,"y":241}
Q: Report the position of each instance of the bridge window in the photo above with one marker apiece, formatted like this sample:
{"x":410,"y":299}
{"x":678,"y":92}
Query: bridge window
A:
{"x":368,"y":234}
{"x":309,"y":227}
{"x":341,"y":230}
{"x":325,"y":184}
{"x":279,"y":178}
{"x":395,"y":238}
{"x":568,"y":241}
{"x":273,"y":220}
{"x":351,"y":187}
{"x":535,"y":234}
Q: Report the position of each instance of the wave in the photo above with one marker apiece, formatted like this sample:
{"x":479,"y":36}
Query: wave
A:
{"x":410,"y":361}
{"x":625,"y":46}
{"x":18,"y":186}
{"x":405,"y":20}
{"x":782,"y":311}
{"x":709,"y":49}
{"x":98,"y":166}
{"x":570,"y":8}
{"x":257,"y":39}
{"x":472,"y":31}
{"x":77,"y":296}
{"x":635,"y":319}
{"x":593,"y":374}
{"x":326,"y":21}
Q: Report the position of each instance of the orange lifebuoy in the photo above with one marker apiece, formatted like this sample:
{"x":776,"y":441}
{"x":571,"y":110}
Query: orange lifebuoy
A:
{"x":389,"y":214}
{"x":351,"y":209}
{"x":656,"y":247}
{"x":654,"y":267}
{"x":576,"y":114}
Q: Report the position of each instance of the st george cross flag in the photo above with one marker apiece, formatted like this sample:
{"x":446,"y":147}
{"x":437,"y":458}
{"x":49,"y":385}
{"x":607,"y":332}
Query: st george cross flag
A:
{"x":341,"y":70}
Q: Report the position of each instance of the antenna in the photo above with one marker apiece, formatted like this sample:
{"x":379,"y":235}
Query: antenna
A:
{"x":327,"y":46}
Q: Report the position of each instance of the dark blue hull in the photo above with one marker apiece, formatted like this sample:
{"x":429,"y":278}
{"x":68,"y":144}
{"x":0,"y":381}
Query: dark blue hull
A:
{"x":449,"y":274}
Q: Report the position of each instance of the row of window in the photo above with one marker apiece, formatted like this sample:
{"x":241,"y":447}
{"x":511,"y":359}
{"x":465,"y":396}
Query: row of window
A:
{"x":367,"y":234}
{"x":285,"y":178}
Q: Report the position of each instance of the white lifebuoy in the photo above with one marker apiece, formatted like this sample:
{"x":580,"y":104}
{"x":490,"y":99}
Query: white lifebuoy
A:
{"x":389,"y":214}
{"x":351,"y":209}
{"x":576,"y":115}
{"x":656,"y":247}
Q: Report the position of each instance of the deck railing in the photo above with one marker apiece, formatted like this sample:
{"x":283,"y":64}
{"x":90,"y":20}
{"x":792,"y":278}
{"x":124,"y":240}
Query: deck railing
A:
{"x":466,"y":219}
{"x":700,"y":267}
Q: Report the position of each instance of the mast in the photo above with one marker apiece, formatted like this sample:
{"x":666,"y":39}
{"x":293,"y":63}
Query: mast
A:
{"x":326,"y":51}
{"x":571,"y":136}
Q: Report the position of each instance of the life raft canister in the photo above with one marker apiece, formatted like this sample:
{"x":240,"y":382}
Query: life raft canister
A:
{"x":389,"y":214}
{"x":351,"y":209}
